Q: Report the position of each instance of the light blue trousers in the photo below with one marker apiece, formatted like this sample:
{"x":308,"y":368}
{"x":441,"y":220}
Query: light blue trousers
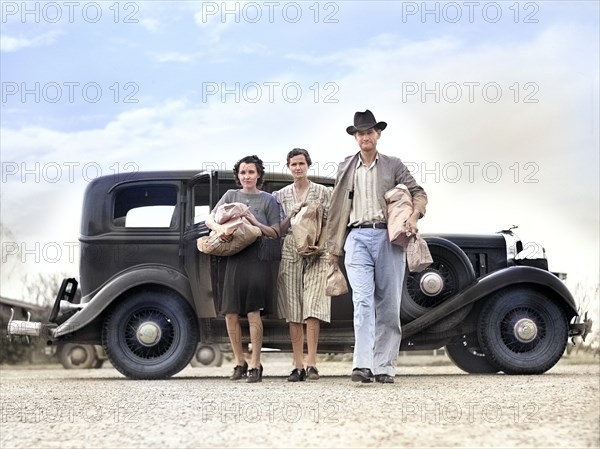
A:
{"x":375,"y":270}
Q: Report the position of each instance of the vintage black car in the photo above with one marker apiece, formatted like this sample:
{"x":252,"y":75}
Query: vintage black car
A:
{"x":149,"y":297}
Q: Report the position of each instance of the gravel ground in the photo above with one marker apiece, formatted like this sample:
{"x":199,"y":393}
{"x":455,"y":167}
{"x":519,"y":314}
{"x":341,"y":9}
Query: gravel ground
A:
{"x":432,"y":404}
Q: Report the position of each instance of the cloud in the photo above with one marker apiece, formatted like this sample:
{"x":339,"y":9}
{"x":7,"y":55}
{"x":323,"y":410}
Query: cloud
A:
{"x":150,"y":24}
{"x":211,"y":23}
{"x":176,"y":57}
{"x":214,"y":54}
{"x":12,"y":43}
{"x":391,"y":46}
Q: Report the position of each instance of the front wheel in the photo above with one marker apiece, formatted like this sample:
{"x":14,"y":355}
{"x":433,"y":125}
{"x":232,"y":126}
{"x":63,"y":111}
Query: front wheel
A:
{"x":523,"y":331}
{"x":465,"y":353}
{"x":150,"y":334}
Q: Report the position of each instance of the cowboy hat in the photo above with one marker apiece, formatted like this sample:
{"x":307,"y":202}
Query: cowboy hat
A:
{"x":363,"y":121}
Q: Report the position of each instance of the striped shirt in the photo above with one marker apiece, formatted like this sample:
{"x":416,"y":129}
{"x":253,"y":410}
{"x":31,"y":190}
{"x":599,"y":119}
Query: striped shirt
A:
{"x":365,"y":204}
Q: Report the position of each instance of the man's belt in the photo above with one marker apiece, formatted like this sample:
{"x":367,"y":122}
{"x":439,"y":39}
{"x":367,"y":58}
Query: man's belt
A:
{"x":371,"y":225}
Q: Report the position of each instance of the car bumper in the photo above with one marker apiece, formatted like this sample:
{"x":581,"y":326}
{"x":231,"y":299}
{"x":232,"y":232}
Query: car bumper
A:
{"x":581,"y":328}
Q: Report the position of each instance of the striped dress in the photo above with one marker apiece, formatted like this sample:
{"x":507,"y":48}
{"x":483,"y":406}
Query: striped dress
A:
{"x":302,"y":280}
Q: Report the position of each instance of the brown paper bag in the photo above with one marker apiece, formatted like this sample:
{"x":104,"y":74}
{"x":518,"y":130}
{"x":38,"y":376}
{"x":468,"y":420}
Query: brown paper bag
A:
{"x":418,"y":255}
{"x":336,"y":282}
{"x":306,"y":228}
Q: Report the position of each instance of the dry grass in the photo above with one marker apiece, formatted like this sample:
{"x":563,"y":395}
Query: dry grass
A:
{"x":581,"y":358}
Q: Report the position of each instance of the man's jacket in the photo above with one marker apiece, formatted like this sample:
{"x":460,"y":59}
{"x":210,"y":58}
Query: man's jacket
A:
{"x":390,"y":172}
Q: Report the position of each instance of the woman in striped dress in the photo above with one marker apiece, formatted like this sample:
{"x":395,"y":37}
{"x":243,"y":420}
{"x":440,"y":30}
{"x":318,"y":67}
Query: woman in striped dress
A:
{"x":301,"y":283}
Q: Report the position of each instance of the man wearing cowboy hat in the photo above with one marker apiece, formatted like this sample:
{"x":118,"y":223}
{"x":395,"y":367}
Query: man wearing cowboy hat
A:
{"x":375,"y":267}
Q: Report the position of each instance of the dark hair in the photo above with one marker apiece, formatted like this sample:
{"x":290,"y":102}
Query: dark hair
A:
{"x":299,"y":152}
{"x":258,"y":163}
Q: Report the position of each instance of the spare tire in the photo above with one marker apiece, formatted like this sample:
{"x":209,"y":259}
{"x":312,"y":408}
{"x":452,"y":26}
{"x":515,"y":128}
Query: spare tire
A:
{"x":450,"y":272}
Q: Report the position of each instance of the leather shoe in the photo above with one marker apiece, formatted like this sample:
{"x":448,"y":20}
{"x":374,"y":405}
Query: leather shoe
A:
{"x":384,"y":378}
{"x":255,"y":375}
{"x":363,"y":375}
{"x":312,"y":373}
{"x":297,"y":375}
{"x":239,"y":371}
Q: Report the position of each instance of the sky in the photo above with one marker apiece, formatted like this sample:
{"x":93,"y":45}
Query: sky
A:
{"x":492,"y":105}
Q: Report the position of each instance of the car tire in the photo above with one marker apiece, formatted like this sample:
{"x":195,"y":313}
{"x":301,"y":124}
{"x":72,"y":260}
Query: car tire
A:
{"x":76,"y":356}
{"x":465,"y":353}
{"x":207,"y":355}
{"x":450,"y":272}
{"x":151,"y":334}
{"x":98,"y":364}
{"x":523,"y":331}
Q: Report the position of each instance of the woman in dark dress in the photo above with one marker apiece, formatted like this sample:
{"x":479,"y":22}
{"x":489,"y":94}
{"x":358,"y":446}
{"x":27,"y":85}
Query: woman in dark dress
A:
{"x":248,"y":283}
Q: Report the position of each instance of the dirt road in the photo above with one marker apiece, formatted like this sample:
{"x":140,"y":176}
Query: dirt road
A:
{"x":428,"y":406}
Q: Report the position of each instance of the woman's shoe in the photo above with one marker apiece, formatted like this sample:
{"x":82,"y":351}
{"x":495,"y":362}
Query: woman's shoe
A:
{"x":312,"y":373}
{"x":255,"y":374}
{"x":297,"y":375}
{"x":239,"y":371}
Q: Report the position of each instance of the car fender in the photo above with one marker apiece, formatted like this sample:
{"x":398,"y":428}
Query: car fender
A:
{"x":133,"y":277}
{"x":486,"y":285}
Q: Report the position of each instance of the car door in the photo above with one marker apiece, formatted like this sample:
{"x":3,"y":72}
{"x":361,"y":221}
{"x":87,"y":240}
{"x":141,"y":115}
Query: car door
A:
{"x":198,"y":266}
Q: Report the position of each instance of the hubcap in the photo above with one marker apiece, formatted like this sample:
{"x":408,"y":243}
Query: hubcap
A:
{"x":78,"y":355}
{"x":148,"y":333}
{"x":525,"y":330}
{"x":432,"y":283}
{"x":205,"y":355}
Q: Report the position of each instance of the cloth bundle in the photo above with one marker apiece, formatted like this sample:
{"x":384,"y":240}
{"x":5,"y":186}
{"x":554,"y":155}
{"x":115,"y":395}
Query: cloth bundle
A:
{"x":244,"y":234}
{"x":306,"y":228}
{"x":399,"y":209}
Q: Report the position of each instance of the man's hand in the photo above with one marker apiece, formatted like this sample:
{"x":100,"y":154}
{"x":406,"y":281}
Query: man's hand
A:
{"x":411,"y":224}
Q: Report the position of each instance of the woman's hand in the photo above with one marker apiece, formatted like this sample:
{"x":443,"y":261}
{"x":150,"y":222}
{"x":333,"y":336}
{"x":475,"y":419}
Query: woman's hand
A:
{"x":225,"y":237}
{"x":251,"y":218}
{"x":296,"y":209}
{"x":334,"y":261}
{"x":269,"y":231}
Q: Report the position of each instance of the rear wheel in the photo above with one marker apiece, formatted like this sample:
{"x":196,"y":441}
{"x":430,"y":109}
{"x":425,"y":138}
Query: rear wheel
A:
{"x":151,"y":334}
{"x":77,"y":356}
{"x":523,"y":331}
{"x":450,"y":272}
{"x":465,"y":353}
{"x":98,"y":364}
{"x":207,"y":355}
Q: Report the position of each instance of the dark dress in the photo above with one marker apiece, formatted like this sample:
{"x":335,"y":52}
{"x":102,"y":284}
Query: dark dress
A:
{"x":249,"y":283}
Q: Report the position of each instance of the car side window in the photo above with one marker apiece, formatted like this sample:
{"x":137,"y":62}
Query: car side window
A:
{"x":148,"y":206}
{"x":201,"y":213}
{"x":201,"y":200}
{"x":150,"y":217}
